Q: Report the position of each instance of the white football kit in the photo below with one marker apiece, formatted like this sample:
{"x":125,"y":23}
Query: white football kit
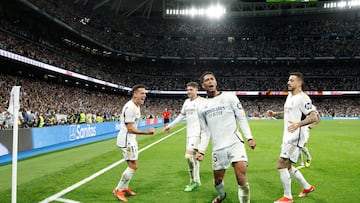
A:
{"x":125,"y":140}
{"x":221,"y":115}
{"x":189,"y":111}
{"x":296,"y":108}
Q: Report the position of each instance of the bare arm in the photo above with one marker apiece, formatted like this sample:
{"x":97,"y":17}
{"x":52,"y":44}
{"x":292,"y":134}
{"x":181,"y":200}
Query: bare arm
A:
{"x":311,"y":118}
{"x":312,"y":125}
{"x":133,"y":129}
{"x":274,"y":113}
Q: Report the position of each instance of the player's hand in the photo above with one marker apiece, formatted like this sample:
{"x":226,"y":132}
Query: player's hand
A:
{"x":293,"y":126}
{"x":252,"y":144}
{"x":270,"y":113}
{"x":199,"y":156}
{"x":151,"y":131}
{"x":166,"y":129}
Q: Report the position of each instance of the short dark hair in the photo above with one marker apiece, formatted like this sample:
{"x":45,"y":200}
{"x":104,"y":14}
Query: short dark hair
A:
{"x":193,"y":84}
{"x":298,"y":75}
{"x":136,"y":87}
{"x":206,"y":73}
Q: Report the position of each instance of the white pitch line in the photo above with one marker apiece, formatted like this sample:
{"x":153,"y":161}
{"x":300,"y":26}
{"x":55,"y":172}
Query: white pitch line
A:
{"x":78,"y":184}
{"x":66,"y":200}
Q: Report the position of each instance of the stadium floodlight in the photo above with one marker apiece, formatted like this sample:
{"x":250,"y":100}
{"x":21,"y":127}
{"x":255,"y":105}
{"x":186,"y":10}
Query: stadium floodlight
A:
{"x":216,"y":11}
{"x":342,"y":4}
{"x":212,"y":11}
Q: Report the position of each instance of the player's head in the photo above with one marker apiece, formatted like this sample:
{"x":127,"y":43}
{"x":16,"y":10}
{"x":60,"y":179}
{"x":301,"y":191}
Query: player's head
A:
{"x":192,"y":89}
{"x":295,"y":82}
{"x":208,"y":82}
{"x":138,"y":94}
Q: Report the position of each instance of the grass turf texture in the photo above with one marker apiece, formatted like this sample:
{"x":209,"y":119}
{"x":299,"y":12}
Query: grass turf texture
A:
{"x":162,"y":173}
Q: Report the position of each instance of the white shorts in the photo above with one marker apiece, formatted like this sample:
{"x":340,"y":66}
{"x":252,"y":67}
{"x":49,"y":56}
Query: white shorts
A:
{"x":130,"y":153}
{"x":192,"y":142}
{"x":223,"y":158}
{"x":290,"y":151}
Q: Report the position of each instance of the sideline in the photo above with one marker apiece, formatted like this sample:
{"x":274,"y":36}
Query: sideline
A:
{"x":78,"y":184}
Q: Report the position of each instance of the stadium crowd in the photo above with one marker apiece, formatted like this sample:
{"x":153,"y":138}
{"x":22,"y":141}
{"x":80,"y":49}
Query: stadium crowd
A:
{"x":308,"y":38}
{"x":320,"y":75}
{"x":59,"y":104}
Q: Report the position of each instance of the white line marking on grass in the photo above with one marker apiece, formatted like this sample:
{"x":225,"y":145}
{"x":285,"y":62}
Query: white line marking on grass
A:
{"x":66,"y":200}
{"x":78,"y":184}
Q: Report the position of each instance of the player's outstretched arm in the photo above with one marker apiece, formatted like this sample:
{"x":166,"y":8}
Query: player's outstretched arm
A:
{"x":133,"y":129}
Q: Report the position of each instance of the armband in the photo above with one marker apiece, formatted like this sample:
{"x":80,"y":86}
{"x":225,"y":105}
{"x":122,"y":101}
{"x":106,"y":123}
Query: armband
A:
{"x":250,"y":139}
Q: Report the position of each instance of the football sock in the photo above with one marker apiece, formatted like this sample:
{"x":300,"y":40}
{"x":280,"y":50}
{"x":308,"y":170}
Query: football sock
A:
{"x":286,"y":182}
{"x":244,"y":193}
{"x":196,"y":171}
{"x":301,"y":160}
{"x":307,"y":153}
{"x":220,"y":189}
{"x":125,"y":179}
{"x":191,"y":162}
{"x":299,"y":177}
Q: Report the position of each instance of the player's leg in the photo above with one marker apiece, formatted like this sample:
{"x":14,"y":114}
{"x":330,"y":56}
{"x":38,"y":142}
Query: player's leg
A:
{"x":193,"y":164}
{"x":300,"y":161}
{"x":243,"y":185}
{"x":308,"y":156}
{"x":307,"y":188}
{"x":289,"y":154}
{"x":220,"y":164}
{"x":219,"y":185}
{"x":239,"y":160}
{"x":283,"y":164}
{"x":131,"y":155}
{"x":190,"y":160}
{"x":195,"y":141}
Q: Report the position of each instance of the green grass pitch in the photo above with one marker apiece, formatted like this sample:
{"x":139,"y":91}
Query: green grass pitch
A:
{"x":162,"y":173}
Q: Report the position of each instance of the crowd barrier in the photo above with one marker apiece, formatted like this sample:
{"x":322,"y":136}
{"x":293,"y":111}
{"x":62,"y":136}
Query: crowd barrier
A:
{"x":35,"y":141}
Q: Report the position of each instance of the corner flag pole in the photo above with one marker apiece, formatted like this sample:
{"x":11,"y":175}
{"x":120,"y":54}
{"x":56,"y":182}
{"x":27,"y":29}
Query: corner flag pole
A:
{"x":14,"y":107}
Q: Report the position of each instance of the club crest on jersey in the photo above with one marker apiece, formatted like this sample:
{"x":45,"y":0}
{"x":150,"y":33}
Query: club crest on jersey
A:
{"x":308,"y":106}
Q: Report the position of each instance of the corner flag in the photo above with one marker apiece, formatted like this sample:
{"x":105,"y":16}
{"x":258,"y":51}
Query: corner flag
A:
{"x":14,"y":107}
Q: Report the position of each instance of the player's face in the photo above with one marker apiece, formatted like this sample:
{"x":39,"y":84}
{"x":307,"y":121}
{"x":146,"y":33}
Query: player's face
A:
{"x":191,"y":92}
{"x":140,"y":96}
{"x":293,"y":83}
{"x":209,"y":83}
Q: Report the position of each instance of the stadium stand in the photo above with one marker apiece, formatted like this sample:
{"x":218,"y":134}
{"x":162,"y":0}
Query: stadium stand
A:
{"x":40,"y":38}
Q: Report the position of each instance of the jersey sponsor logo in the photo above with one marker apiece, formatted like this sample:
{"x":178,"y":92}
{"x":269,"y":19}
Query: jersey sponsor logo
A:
{"x":214,"y":112}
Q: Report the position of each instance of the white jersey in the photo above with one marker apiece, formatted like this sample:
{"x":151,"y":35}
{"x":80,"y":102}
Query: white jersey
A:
{"x":189,"y":111}
{"x":296,"y":108}
{"x":130,"y":114}
{"x":221,"y":115}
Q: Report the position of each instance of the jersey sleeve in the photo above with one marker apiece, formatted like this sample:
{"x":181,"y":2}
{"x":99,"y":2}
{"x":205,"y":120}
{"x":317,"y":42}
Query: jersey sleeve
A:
{"x":240,"y":116}
{"x":129,"y":115}
{"x":179,"y":118}
{"x":306,"y":107}
{"x":204,"y":133}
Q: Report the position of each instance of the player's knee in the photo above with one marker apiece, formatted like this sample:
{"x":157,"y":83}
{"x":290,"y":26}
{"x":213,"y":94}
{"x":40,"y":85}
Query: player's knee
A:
{"x":218,"y":180}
